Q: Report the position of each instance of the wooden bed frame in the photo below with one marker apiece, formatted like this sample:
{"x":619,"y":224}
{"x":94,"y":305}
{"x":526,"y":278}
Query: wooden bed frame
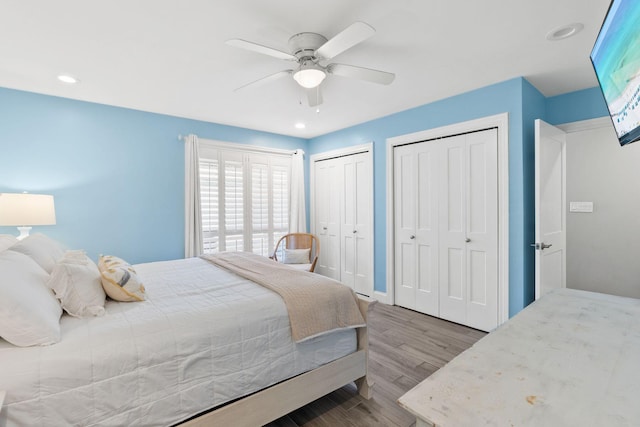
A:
{"x":278,"y":400}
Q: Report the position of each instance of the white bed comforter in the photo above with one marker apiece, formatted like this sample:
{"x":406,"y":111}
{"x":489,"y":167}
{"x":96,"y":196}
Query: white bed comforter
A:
{"x":203,"y":337}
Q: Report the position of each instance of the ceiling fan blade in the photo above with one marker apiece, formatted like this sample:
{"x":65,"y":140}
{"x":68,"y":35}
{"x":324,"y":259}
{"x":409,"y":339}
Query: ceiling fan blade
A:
{"x":314,"y":96}
{"x":265,"y":50}
{"x":265,"y":80}
{"x":349,"y":37}
{"x":374,"y":76}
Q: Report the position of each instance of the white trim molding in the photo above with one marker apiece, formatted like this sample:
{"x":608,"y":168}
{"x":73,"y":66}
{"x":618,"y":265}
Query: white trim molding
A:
{"x":499,"y":121}
{"x":582,"y":125}
{"x":346,"y":151}
{"x":244,"y":147}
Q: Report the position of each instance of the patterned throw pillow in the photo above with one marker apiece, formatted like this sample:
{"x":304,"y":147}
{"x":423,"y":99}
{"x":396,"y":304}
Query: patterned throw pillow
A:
{"x":119,"y":279}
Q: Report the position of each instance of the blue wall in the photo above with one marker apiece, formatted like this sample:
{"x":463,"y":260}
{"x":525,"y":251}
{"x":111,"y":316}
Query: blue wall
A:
{"x":524,"y":103}
{"x":503,"y":97}
{"x":575,"y":106}
{"x":117,"y":175}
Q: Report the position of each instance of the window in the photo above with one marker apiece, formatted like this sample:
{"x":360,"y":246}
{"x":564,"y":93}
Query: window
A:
{"x":244,"y":198}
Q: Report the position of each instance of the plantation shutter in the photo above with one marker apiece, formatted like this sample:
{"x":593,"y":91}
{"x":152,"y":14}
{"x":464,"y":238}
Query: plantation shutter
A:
{"x":260,"y":205}
{"x":209,"y":205}
{"x":245,"y":200}
{"x":280,"y":186}
{"x":233,"y":189}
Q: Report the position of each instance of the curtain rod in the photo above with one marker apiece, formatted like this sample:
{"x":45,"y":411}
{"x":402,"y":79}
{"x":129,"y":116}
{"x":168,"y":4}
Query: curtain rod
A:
{"x":239,"y":146}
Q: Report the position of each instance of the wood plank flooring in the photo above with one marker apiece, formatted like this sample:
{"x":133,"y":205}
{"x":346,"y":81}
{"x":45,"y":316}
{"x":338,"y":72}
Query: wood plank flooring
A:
{"x":405,"y":348}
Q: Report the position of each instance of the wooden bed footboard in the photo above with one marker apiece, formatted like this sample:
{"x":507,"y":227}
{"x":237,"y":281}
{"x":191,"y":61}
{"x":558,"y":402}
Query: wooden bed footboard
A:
{"x":278,"y":400}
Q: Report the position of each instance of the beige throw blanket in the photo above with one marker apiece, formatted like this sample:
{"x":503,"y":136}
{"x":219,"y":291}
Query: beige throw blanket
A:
{"x":316,"y":304}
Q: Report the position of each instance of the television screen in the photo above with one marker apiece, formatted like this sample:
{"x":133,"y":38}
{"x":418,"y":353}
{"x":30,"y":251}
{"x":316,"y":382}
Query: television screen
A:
{"x":616,"y":61}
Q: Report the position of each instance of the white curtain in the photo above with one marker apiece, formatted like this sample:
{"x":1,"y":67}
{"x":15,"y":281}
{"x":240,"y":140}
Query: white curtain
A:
{"x":192,"y":214}
{"x":298,"y":212}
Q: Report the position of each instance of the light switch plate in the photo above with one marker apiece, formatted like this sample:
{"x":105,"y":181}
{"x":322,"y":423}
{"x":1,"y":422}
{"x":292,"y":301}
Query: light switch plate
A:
{"x":584,"y":207}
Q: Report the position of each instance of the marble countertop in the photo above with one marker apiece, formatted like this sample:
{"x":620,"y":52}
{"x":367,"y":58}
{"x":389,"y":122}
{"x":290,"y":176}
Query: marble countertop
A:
{"x":570,"y":358}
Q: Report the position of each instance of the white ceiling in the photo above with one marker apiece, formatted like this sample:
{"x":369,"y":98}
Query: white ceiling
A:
{"x":169,"y":56}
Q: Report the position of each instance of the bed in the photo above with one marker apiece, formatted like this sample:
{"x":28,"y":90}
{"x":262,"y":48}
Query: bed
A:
{"x":205,"y":347}
{"x":569,"y":359}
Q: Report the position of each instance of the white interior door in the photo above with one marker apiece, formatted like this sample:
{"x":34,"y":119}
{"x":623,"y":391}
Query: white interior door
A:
{"x":405,"y":224}
{"x":342,"y":215}
{"x":347,"y":224}
{"x":446,"y":228}
{"x":482,"y":229}
{"x":416,"y":230}
{"x":363,"y":224}
{"x":550,"y":202}
{"x":468,"y":230}
{"x":327,"y":179}
{"x":452,"y":245}
{"x":355,"y":244}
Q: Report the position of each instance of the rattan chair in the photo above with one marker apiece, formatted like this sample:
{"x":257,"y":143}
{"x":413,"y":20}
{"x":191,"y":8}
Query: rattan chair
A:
{"x":298,"y":241}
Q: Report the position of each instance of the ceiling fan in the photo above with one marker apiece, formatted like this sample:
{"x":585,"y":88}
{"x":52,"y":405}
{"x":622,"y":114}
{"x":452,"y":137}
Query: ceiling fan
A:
{"x":311,"y":51}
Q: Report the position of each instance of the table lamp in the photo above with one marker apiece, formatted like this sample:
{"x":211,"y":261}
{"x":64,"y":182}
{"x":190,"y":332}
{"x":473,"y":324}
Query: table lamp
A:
{"x":24,"y":210}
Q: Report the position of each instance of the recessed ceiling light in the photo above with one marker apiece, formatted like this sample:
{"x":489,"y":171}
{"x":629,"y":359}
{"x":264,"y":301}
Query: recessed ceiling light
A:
{"x":300,"y":125}
{"x":65,"y":78}
{"x":564,"y":32}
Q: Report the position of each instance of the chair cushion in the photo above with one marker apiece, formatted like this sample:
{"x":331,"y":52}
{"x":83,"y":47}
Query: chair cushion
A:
{"x":296,"y":256}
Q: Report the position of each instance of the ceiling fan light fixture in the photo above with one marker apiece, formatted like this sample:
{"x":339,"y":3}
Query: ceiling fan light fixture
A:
{"x":309,"y":75}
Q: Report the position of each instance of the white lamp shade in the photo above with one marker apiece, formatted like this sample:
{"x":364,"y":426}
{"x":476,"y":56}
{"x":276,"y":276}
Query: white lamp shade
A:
{"x":23,"y":209}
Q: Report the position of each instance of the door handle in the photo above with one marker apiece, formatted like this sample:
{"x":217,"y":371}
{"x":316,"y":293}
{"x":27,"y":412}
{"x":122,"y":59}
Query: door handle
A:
{"x":324,"y":228}
{"x":467,"y":239}
{"x":355,"y":231}
{"x":412,"y":237}
{"x":540,"y":246}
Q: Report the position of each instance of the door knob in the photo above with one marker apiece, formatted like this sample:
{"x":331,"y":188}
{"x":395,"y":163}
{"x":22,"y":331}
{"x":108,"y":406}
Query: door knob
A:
{"x":467,"y":239}
{"x":355,"y":231}
{"x":412,"y":237}
{"x":324,"y":228}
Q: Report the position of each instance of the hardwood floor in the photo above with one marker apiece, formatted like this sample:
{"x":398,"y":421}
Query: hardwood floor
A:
{"x":405,"y":348}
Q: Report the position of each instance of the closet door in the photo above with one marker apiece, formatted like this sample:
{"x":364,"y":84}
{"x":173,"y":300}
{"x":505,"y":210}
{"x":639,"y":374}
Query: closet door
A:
{"x":356,"y":246}
{"x":468,"y":232}
{"x":416,"y":227}
{"x":327,"y":215}
{"x":482,"y":230}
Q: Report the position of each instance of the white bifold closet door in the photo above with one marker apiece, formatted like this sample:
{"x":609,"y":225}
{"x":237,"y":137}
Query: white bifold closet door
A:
{"x":355,"y":213}
{"x":416,"y":227}
{"x":343,"y":220}
{"x":327,"y":217}
{"x":446,"y":228}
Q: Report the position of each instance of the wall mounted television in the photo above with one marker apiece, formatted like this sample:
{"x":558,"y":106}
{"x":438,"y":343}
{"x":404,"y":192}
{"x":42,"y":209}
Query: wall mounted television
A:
{"x":616,"y":61}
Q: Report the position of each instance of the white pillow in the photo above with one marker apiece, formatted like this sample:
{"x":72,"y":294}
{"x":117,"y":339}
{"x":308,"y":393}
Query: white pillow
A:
{"x":29,"y":312}
{"x":75,"y":279}
{"x":44,"y":250}
{"x":296,"y":256}
{"x":6,"y":241}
